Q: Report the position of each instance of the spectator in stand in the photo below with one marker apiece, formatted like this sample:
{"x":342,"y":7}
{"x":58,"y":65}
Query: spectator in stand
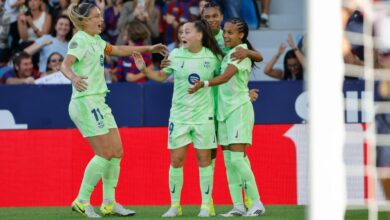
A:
{"x":56,"y":42}
{"x":57,"y":8}
{"x":4,"y":61}
{"x":53,"y":63}
{"x":145,"y":12}
{"x":196,"y":8}
{"x":178,"y":42}
{"x":5,"y":20}
{"x":111,"y":17}
{"x":174,"y":12}
{"x":33,"y":24}
{"x":23,"y":72}
{"x":201,"y":5}
{"x":293,"y":69}
{"x":12,"y":8}
{"x":137,"y":35}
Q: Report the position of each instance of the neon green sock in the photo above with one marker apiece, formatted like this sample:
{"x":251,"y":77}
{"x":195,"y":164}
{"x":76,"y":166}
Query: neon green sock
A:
{"x":92,"y":174}
{"x":206,"y":183}
{"x":110,"y":179}
{"x":175,"y":184}
{"x":248,"y":179}
{"x":234,"y":180}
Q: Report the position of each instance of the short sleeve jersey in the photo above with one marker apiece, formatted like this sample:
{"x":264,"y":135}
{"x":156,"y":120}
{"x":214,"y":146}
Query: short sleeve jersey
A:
{"x":234,"y":93}
{"x":89,"y":51}
{"x":197,"y":108}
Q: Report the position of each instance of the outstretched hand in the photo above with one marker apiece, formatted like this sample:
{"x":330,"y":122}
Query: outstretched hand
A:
{"x":139,"y":61}
{"x":159,"y":48}
{"x":196,"y":87}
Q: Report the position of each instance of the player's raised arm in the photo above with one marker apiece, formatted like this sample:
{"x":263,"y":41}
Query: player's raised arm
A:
{"x":159,"y":76}
{"x":124,"y":50}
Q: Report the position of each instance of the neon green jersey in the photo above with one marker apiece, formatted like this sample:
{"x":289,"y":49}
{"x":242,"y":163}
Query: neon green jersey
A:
{"x":197,"y":108}
{"x":234,"y":93}
{"x":89,"y":51}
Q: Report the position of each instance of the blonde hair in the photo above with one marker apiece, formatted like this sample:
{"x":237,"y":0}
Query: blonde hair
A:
{"x":78,"y":14}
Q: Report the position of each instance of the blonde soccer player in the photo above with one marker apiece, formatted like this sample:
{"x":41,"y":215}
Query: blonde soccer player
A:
{"x":84,"y":66}
{"x":191,"y":118}
{"x":235,"y":119}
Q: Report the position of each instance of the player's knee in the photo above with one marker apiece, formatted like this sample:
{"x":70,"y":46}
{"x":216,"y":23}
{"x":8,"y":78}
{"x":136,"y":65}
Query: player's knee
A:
{"x":177,"y":162}
{"x":204,"y":161}
{"x":118,"y":153}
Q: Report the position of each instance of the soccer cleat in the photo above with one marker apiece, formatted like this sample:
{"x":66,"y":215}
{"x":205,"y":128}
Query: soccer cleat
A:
{"x":256,"y":210}
{"x":173,"y":211}
{"x":85,"y":209}
{"x":204,"y":211}
{"x":212,"y":208}
{"x":235,"y":212}
{"x":115,"y":209}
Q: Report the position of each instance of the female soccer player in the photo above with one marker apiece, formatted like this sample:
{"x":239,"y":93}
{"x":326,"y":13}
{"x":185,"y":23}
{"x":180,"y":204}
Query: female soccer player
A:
{"x":236,"y":118}
{"x":84,"y":65}
{"x":192,"y":116}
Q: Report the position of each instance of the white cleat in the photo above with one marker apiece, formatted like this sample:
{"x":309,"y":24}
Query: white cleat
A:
{"x":235,"y":212}
{"x":85,"y":209}
{"x":256,"y":210}
{"x":172,"y":212}
{"x":116,"y":209}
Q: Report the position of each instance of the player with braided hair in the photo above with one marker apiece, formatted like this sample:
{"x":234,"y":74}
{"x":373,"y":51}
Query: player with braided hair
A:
{"x":236,"y":119}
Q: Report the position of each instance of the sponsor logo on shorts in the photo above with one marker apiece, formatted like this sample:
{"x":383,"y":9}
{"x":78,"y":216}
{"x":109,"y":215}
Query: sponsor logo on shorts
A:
{"x":193,"y":77}
{"x":100,"y":124}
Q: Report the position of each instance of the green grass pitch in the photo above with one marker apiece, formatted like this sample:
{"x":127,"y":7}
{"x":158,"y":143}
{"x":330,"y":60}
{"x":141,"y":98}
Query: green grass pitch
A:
{"x":154,"y":212}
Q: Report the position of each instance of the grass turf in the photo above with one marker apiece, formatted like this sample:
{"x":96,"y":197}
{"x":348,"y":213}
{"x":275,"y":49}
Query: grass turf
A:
{"x":154,"y":212}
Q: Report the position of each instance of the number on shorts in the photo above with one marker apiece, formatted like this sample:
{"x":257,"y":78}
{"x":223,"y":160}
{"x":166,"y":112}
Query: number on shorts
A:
{"x":96,"y":113}
{"x":170,"y":128}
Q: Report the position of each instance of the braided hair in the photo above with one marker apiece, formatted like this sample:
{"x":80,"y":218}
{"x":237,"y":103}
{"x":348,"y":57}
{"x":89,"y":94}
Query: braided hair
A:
{"x":208,"y":39}
{"x":242,"y":27}
{"x":78,"y":13}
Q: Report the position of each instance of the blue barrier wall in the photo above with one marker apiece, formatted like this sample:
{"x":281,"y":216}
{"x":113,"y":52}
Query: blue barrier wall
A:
{"x":135,"y":105}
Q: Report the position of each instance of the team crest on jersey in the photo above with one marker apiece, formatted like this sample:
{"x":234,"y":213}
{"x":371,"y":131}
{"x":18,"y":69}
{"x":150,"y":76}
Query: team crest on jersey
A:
{"x":101,"y":60}
{"x":73,"y":45}
{"x":193,"y":77}
{"x":206,"y":64}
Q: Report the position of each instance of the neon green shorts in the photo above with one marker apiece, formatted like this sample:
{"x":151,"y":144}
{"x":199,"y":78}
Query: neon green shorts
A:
{"x":91,"y":115}
{"x":202,"y":136}
{"x":237,"y":128}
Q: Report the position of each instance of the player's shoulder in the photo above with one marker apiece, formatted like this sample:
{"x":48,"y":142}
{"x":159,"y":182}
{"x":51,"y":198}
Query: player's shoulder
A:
{"x":177,"y":52}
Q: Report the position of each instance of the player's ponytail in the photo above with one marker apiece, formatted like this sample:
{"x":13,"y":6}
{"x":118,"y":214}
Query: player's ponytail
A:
{"x":78,"y":13}
{"x":208,"y":39}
